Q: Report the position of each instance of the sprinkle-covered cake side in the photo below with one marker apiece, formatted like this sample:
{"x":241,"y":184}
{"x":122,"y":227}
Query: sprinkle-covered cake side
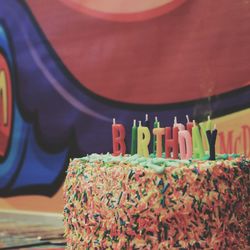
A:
{"x":113,"y":203}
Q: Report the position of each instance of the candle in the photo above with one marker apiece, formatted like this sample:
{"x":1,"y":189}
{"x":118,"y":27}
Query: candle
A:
{"x":159,"y":132}
{"x":163,"y":142}
{"x":189,"y":125}
{"x":198,"y":150}
{"x":143,"y":139}
{"x":207,"y":125}
{"x":134,"y":138}
{"x":180,"y":126}
{"x":171,"y":144}
{"x":185,"y":144}
{"x":154,"y":137}
{"x":211,"y":136}
{"x":118,"y":136}
{"x":146,"y":122}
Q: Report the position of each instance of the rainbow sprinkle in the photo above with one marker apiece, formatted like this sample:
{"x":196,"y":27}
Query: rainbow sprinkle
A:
{"x":134,"y":203}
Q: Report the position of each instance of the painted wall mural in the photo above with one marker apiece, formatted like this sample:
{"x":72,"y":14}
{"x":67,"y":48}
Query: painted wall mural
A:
{"x":68,"y":67}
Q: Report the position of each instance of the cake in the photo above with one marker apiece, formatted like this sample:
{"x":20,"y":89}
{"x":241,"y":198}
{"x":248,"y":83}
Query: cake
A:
{"x":132,"y":202}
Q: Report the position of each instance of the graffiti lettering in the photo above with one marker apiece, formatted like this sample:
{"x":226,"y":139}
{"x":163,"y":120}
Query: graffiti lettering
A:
{"x":5,"y":106}
{"x":246,"y":140}
{"x":226,"y":145}
{"x":4,"y":97}
{"x":230,"y":143}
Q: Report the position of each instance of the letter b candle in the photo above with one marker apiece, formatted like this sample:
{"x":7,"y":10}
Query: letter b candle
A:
{"x":118,"y":134}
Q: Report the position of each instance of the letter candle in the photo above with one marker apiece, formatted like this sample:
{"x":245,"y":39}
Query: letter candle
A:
{"x":118,"y":134}
{"x":185,"y":144}
{"x":198,"y":150}
{"x":159,"y":132}
{"x":154,"y":137}
{"x":163,"y":141}
{"x":211,"y":136}
{"x":143,"y":139}
{"x":171,"y":143}
{"x":180,"y":126}
{"x":146,"y":122}
{"x":189,"y":125}
{"x":134,"y":138}
{"x":207,"y":125}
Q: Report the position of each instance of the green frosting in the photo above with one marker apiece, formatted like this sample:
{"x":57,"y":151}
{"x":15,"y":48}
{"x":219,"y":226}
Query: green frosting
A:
{"x":156,"y":164}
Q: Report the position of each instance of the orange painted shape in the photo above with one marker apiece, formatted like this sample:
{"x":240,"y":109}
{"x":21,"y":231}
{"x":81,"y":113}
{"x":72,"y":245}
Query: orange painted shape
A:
{"x":123,"y":10}
{"x":234,"y":133}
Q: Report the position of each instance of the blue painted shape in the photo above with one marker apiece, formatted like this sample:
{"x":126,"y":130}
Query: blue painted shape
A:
{"x":39,"y":167}
{"x":10,"y":165}
{"x":4,"y":45}
{"x":26,"y":163}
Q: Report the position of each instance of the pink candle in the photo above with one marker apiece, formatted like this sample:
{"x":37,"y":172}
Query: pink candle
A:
{"x":189,"y":125}
{"x":171,"y":143}
{"x":180,"y":126}
{"x":185,"y":144}
{"x":118,"y":136}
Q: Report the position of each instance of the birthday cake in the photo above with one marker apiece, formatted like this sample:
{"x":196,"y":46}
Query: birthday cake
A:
{"x":133,"y":202}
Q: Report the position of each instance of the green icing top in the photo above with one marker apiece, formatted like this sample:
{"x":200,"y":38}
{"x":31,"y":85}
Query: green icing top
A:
{"x":156,"y":164}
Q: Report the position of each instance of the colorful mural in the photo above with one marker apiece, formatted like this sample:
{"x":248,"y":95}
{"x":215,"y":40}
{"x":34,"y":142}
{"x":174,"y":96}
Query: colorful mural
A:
{"x":68,"y":67}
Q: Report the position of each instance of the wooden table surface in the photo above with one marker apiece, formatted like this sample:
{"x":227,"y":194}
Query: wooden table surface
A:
{"x":28,"y":230}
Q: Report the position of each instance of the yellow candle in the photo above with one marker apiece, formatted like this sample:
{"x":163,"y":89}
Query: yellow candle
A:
{"x":198,"y":150}
{"x":207,"y":125}
{"x":143,"y":139}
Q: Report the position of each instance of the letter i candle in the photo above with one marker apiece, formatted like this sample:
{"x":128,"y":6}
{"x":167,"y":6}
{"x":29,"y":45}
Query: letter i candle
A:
{"x":134,"y":139}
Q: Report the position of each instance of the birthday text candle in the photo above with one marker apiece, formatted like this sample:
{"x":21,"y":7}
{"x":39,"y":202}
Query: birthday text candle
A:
{"x":185,"y":144}
{"x":198,"y":150}
{"x":171,"y":142}
{"x":133,"y":138}
{"x":159,"y":132}
{"x":211,"y":136}
{"x":180,"y":126}
{"x":189,"y":125}
{"x":207,"y":125}
{"x":143,"y":139}
{"x":154,"y":137}
{"x":146,"y":122}
{"x":118,"y":135}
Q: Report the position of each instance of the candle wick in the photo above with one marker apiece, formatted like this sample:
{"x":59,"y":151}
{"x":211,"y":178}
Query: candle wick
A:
{"x":175,"y":120}
{"x":187,"y":118}
{"x":134,"y":124}
{"x":194,"y":122}
{"x":139,"y":123}
{"x":146,"y":117}
{"x":113,"y":120}
{"x":156,"y":119}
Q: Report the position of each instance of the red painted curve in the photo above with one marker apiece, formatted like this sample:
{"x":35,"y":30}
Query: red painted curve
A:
{"x":198,"y":50}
